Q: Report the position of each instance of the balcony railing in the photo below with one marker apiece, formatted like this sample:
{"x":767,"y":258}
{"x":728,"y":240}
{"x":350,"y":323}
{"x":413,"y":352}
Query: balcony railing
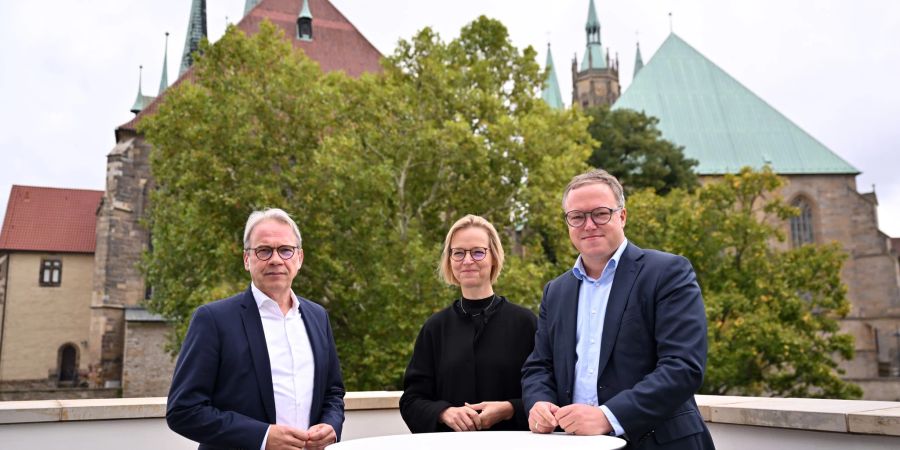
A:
{"x":735,"y":423}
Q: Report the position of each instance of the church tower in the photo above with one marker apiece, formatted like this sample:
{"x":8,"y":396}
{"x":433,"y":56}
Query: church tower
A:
{"x":596,"y":82}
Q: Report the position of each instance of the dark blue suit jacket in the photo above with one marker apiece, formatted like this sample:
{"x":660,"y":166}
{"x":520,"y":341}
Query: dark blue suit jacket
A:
{"x":221,"y":394}
{"x":652,"y":352}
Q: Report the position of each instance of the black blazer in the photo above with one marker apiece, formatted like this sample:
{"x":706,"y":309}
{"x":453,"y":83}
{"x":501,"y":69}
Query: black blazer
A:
{"x":221,"y":394}
{"x":652,"y":354}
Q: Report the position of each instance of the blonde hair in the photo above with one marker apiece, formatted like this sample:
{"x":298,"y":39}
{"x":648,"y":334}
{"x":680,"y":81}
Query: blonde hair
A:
{"x":494,"y":245}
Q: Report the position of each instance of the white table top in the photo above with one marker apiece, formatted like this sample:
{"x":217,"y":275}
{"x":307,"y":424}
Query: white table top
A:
{"x":486,"y":440}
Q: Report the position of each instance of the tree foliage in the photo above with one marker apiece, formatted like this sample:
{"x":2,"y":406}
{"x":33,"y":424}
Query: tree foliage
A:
{"x":772,"y":313}
{"x":629,"y":146}
{"x":374,"y":170}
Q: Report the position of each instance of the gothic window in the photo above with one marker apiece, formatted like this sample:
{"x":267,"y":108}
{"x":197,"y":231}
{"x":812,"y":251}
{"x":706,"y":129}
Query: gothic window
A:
{"x":68,"y":364}
{"x":802,"y":224}
{"x":51,"y":272}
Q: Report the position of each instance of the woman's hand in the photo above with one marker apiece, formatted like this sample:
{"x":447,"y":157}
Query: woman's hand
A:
{"x":461,"y":418}
{"x":492,"y":412}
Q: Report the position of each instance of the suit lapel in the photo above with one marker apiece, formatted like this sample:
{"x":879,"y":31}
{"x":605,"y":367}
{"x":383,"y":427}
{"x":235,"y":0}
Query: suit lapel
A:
{"x":626,"y":273}
{"x":317,"y":345}
{"x":259,"y":352}
{"x":568,"y":307}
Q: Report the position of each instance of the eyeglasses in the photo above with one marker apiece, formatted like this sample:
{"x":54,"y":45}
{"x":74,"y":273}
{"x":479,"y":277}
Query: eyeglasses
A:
{"x":264,"y":253}
{"x":600,"y":216}
{"x":477,"y":253}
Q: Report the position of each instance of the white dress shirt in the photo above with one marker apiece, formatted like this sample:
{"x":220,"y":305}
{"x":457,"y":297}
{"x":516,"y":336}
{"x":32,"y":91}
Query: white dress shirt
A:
{"x":291,"y":360}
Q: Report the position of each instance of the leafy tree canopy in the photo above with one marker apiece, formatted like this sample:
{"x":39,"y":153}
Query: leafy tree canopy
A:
{"x":772,"y":314}
{"x":629,"y":146}
{"x":374,"y":170}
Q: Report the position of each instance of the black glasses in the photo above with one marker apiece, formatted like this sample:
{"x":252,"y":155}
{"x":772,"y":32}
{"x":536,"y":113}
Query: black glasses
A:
{"x":600,"y":216}
{"x":264,"y":253}
{"x":477,"y":253}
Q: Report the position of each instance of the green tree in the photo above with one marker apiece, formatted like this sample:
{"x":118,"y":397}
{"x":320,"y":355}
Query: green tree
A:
{"x":629,"y":146}
{"x":373,"y":169}
{"x":772,"y":312}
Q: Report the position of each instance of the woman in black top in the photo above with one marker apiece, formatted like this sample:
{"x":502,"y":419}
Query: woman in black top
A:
{"x":465,"y":371}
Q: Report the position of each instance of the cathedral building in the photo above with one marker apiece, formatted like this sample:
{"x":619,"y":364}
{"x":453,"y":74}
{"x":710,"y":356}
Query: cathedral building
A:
{"x":725,"y":126}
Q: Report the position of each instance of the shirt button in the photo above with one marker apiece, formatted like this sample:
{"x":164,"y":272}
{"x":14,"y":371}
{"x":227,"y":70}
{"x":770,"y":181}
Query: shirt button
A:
{"x":592,"y":341}
{"x":591,"y":371}
{"x":593,"y":311}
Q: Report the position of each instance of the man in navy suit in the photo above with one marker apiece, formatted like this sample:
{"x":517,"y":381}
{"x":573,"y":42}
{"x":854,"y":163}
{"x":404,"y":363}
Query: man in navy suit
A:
{"x":259,"y":370}
{"x":620,"y":346}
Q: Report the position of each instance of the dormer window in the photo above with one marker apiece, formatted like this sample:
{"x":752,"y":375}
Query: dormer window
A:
{"x":304,"y":28}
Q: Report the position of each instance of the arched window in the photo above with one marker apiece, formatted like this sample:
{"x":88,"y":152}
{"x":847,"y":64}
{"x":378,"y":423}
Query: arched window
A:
{"x":802,"y":224}
{"x":68,"y":364}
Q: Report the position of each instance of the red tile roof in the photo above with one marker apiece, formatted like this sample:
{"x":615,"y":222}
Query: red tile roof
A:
{"x":336,"y":44}
{"x":50,"y":220}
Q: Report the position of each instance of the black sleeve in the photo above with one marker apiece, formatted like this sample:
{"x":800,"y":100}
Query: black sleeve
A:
{"x":419,"y":405}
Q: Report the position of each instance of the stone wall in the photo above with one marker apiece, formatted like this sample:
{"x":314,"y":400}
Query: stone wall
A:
{"x":147,"y":367}
{"x":39,"y":320}
{"x":121,"y":240}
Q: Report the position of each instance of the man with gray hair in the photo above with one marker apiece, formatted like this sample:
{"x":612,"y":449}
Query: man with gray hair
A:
{"x":260,"y":369}
{"x":620,"y":346}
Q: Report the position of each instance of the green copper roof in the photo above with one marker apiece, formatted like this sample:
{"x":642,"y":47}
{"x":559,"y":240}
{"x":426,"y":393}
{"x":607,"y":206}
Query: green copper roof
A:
{"x":720,"y":122}
{"x":249,"y":4}
{"x":164,"y":80}
{"x":592,"y":21}
{"x":638,"y":61}
{"x":305,"y":11}
{"x":551,"y":94}
{"x":195,"y":33}
{"x":594,"y":56}
{"x":141,"y":101}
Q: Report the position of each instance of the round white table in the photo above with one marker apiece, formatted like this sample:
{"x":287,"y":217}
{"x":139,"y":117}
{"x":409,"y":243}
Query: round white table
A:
{"x":482,"y":440}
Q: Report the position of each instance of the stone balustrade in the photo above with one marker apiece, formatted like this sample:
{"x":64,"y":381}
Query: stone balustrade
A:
{"x":735,"y":422}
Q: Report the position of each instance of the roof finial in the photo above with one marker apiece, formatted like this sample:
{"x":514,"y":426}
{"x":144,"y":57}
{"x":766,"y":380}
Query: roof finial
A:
{"x":671,"y":28}
{"x":139,"y":100}
{"x":164,"y":80}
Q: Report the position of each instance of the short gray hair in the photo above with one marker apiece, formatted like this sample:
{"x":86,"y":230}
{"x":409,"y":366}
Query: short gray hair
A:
{"x":596,"y":176}
{"x":270,"y":214}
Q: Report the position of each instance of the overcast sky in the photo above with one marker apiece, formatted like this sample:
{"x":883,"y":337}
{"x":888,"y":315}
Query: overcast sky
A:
{"x":70,"y":69}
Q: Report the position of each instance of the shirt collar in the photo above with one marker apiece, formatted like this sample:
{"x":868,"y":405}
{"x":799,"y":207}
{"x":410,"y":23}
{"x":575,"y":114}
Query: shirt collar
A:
{"x":260,"y":297}
{"x":581,"y":274}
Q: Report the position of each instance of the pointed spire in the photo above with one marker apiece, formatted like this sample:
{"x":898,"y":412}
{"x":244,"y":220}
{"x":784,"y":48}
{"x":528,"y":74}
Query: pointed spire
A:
{"x":638,"y":61}
{"x":196,"y":32}
{"x":551,"y":93}
{"x":594,"y":56}
{"x":248,"y":5}
{"x":164,"y":80}
{"x":304,"y":23}
{"x":140,"y":101}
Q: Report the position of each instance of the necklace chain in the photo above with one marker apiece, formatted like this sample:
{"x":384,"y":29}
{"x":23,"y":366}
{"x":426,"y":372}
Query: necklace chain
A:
{"x":493,"y":298}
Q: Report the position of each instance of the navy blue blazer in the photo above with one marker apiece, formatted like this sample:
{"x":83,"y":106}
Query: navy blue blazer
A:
{"x":652,"y":353}
{"x":221,"y":394}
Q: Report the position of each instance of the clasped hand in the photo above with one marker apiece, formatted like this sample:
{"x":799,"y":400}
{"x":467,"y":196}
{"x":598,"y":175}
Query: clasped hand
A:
{"x":478,"y":416}
{"x":284,"y":437}
{"x":580,"y":419}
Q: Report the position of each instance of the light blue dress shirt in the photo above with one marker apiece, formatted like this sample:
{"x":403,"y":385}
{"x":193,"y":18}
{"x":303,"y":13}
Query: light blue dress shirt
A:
{"x":593,"y":296}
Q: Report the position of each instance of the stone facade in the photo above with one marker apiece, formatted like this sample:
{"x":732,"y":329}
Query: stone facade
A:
{"x":147,"y":367}
{"x":871,"y":272}
{"x":121,"y":240}
{"x":39,"y":321}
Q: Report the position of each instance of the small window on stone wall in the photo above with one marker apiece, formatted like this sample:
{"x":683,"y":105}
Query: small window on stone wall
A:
{"x":802,"y":224}
{"x":51,"y":272}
